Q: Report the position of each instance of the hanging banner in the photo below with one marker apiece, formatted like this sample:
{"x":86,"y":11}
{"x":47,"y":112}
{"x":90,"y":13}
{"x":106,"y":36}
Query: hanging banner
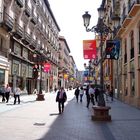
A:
{"x":112,"y":49}
{"x":47,"y":67}
{"x":89,"y":49}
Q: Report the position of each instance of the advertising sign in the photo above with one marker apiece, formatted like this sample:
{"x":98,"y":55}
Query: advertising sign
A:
{"x":112,"y":49}
{"x":89,"y":49}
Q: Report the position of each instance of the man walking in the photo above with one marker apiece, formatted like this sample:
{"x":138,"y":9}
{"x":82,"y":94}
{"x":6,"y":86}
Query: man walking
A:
{"x":61,"y":98}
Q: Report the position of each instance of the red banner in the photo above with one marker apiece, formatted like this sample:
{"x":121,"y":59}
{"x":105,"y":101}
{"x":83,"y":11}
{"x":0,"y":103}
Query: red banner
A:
{"x":89,"y":49}
{"x":47,"y":67}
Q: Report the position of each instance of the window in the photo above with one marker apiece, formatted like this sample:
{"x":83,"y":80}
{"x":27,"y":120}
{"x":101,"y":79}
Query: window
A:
{"x":24,"y":70}
{"x":25,"y":53}
{"x":16,"y":66}
{"x":132,"y":44}
{"x":2,"y":77}
{"x":125,"y":51}
{"x":17,"y":48}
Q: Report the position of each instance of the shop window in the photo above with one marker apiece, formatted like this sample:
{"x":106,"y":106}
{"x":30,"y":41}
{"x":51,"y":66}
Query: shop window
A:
{"x":16,"y":68}
{"x":25,"y":53}
{"x":17,"y":49}
{"x":2,"y":77}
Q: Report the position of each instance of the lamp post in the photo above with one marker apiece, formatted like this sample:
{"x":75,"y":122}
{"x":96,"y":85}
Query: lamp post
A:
{"x":101,"y":29}
{"x":40,"y":96}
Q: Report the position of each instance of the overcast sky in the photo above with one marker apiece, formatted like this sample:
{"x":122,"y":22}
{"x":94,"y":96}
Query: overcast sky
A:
{"x":68,"y":14}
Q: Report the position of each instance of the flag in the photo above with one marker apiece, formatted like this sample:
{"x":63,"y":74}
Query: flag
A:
{"x":89,"y":49}
{"x":112,"y":49}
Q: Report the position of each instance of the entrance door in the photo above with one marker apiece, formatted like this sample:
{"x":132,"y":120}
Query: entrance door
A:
{"x":31,"y":83}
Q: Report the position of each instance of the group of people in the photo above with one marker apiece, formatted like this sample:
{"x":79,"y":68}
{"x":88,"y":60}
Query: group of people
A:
{"x":92,"y":94}
{"x":6,"y":92}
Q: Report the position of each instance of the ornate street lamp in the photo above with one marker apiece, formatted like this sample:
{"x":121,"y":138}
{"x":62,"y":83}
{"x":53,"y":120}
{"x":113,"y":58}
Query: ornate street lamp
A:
{"x":101,"y":29}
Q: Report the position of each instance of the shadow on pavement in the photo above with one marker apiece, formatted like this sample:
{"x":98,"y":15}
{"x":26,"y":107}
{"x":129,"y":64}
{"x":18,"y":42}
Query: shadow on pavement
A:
{"x":73,"y":124}
{"x":54,"y":114}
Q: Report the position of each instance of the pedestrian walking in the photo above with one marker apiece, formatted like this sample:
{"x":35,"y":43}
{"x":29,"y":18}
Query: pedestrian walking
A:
{"x":7,"y":92}
{"x":96,"y":92}
{"x":81,"y":94}
{"x":76,"y":93}
{"x":17,"y":95}
{"x":91,"y":93}
{"x":61,"y":98}
{"x":87,"y":96}
{"x":111,"y":93}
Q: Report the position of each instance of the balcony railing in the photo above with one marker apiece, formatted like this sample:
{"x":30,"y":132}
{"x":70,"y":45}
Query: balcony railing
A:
{"x":27,"y":38}
{"x":18,"y":33}
{"x":33,"y":44}
{"x":27,"y":9}
{"x":8,"y":21}
{"x":20,"y":3}
{"x":34,"y":19}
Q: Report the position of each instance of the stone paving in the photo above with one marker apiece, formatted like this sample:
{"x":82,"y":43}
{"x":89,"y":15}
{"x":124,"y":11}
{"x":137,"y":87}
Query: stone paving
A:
{"x":39,"y":120}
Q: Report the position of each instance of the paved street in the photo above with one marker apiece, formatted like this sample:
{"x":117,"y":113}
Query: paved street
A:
{"x":39,"y":120}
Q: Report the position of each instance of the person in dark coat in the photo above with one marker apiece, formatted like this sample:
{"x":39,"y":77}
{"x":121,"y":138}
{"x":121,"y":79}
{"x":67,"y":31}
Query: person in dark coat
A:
{"x":61,"y":98}
{"x":96,"y":92}
{"x":77,"y":93}
{"x":87,"y":96}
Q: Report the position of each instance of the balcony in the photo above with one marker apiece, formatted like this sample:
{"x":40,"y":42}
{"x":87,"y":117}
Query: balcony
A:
{"x":26,"y":39}
{"x":33,"y":44}
{"x":19,"y":3}
{"x":8,"y":22}
{"x":33,"y":19}
{"x":27,"y":9}
{"x":18,"y":32}
{"x":133,"y":7}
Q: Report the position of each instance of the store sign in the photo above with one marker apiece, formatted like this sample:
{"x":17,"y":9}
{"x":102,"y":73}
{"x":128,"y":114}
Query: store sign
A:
{"x":89,"y":49}
{"x":112,"y":49}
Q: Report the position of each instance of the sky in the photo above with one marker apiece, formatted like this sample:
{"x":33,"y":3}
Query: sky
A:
{"x":68,"y":14}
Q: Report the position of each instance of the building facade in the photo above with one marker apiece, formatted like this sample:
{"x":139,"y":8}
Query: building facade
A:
{"x":28,"y":27}
{"x":124,"y":73}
